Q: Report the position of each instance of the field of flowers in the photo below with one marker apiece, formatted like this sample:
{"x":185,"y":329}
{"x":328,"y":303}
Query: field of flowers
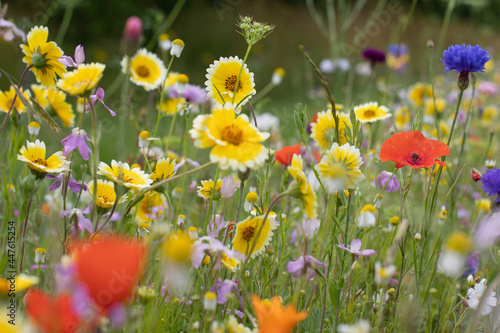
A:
{"x":147,"y":203}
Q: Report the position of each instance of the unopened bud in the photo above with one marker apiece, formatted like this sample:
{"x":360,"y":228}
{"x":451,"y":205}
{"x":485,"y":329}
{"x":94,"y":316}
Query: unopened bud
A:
{"x":476,"y":175}
{"x":463,"y":80}
{"x":430,"y":43}
{"x":418,"y":237}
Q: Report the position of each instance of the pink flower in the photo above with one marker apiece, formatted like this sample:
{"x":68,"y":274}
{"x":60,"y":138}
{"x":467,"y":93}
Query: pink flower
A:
{"x":305,"y":266}
{"x":133,"y":30}
{"x":99,"y":97}
{"x":355,"y":248}
{"x":79,"y":58}
{"x":77,"y":140}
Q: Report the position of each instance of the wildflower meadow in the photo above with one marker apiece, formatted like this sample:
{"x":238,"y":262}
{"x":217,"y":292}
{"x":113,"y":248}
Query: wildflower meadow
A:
{"x":240,"y":166}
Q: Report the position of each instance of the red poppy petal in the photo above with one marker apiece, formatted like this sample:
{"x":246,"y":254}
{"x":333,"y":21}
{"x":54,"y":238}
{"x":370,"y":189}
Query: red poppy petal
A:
{"x":284,"y":155}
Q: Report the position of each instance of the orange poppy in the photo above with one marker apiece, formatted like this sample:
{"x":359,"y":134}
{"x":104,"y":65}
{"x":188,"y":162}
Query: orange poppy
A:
{"x":272,"y":318}
{"x":413,"y":149}
{"x":285,"y":154}
{"x":110,"y":267}
{"x":49,"y":314}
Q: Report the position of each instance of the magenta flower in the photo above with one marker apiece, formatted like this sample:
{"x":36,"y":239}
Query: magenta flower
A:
{"x":192,"y":94}
{"x":79,"y":58}
{"x":305,"y":266}
{"x":384,"y":178}
{"x":77,"y":140}
{"x":355,"y":248}
{"x":72,"y":183}
{"x":224,"y":288}
{"x":133,"y":30}
{"x":99,"y":97}
{"x":228,"y":187}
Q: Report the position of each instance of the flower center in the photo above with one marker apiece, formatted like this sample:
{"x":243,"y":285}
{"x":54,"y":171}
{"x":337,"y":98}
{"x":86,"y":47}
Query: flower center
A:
{"x":248,"y":233}
{"x":231,"y":83}
{"x":41,"y":161}
{"x":369,"y":113}
{"x":142,"y":71}
{"x":414,"y":158}
{"x":232,"y":134}
{"x":38,"y":60}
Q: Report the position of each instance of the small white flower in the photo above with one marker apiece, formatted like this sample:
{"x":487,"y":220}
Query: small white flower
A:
{"x":383,"y":274}
{"x":451,"y":263}
{"x":475,"y":294}
{"x":362,"y":326}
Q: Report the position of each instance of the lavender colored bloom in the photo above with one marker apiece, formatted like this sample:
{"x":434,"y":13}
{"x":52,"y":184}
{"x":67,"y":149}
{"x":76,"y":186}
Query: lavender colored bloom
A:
{"x":117,"y":314}
{"x":305,"y":266}
{"x":33,"y":267}
{"x":468,"y":59}
{"x":385,"y":179}
{"x":228,"y":187}
{"x":216,"y":247}
{"x":491,"y":183}
{"x":72,"y":183}
{"x":487,"y":88}
{"x":9,"y":31}
{"x":192,"y":94}
{"x":77,"y":140}
{"x":293,"y":236}
{"x":224,"y":288}
{"x":83,"y":222}
{"x":99,"y":97}
{"x":79,"y":58}
{"x":374,"y":55}
{"x":472,"y":264}
{"x":215,"y":226}
{"x":82,"y":301}
{"x":487,"y":232}
{"x":183,"y":161}
{"x":308,"y":227}
{"x":355,"y":248}
{"x":397,"y":50}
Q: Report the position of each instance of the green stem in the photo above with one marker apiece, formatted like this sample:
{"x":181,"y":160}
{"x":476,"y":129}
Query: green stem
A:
{"x":68,"y":12}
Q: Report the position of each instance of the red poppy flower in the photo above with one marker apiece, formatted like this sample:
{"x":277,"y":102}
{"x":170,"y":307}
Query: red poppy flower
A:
{"x":49,"y":314}
{"x":285,"y":154}
{"x":110,"y":267}
{"x":413,"y":149}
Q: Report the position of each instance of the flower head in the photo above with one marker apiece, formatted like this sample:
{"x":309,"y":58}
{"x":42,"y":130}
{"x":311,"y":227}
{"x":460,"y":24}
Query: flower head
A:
{"x":474,"y":298}
{"x":284,"y":155}
{"x":371,"y":112}
{"x":119,"y":172}
{"x":145,"y":69}
{"x":463,"y":58}
{"x":301,"y":189}
{"x":43,"y":56}
{"x":206,"y":189}
{"x":355,"y":248}
{"x":491,"y":183}
{"x":152,"y":207}
{"x":77,"y":139}
{"x":273,"y":318}
{"x":178,"y":246}
{"x":247,"y":233}
{"x":105,"y":193}
{"x":384,"y":274}
{"x":8,"y":30}
{"x":177,"y":47}
{"x":72,"y":183}
{"x":53,"y":101}
{"x":34,"y":155}
{"x":82,"y":222}
{"x":133,"y":30}
{"x":164,"y":169}
{"x":81,"y":80}
{"x":6,"y":98}
{"x":387,"y":180}
{"x":397,"y":56}
{"x":229,"y":186}
{"x":235,"y":143}
{"x":79,"y":58}
{"x":374,"y":55}
{"x":362,"y":326}
{"x":98,"y":97}
{"x":323,"y":129}
{"x":305,"y":266}
{"x":222,"y":77}
{"x":413,"y":149}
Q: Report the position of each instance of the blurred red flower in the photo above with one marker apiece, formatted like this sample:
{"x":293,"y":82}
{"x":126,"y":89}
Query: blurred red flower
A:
{"x":110,"y":267}
{"x":285,"y":154}
{"x":49,"y":314}
{"x":413,"y":149}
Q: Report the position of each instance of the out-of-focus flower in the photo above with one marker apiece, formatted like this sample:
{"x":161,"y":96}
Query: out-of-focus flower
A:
{"x":355,"y":248}
{"x":364,"y":69}
{"x":367,"y":217}
{"x":273,"y":318}
{"x":374,"y":55}
{"x":247,"y":232}
{"x":82,"y":222}
{"x":221,"y":81}
{"x":210,"y":301}
{"x":397,"y":56}
{"x":151,"y":208}
{"x":305,"y":266}
{"x":387,"y":180}
{"x":472,"y":264}
{"x":476,"y":294}
{"x":72,"y":183}
{"x":491,"y":183}
{"x":34,"y":128}
{"x":339,"y":168}
{"x":9,"y":31}
{"x":99,"y":98}
{"x":229,"y":186}
{"x":77,"y":139}
{"x":278,"y":75}
{"x":215,"y":248}
{"x":268,"y":122}
{"x":121,"y":173}
{"x":40,"y":255}
{"x":476,"y":175}
{"x":362,"y":326}
{"x":308,"y":227}
{"x":487,"y":232}
{"x":454,"y":254}
{"x":191,"y":93}
{"x":164,"y":42}
{"x":79,"y":58}
{"x":487,"y":88}
{"x":327,"y":66}
{"x":419,"y":92}
{"x":300,"y":188}
{"x":413,"y":149}
{"x":323,"y":129}
{"x":133,"y":30}
{"x":81,"y":80}
{"x":6,"y":98}
{"x":284,"y":155}
{"x":384,"y":274}
{"x":21,"y":281}
{"x":145,"y":69}
{"x":371,"y":112}
{"x":43,"y":56}
{"x":178,"y":246}
{"x":53,"y":101}
{"x":34,"y":155}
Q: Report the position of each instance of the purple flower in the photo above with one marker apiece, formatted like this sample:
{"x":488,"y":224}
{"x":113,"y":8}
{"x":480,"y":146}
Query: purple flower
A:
{"x":308,"y":227}
{"x":355,"y":248}
{"x":224,"y":288}
{"x":117,"y":314}
{"x":293,"y":236}
{"x":72,"y":183}
{"x":99,"y":97}
{"x":183,"y":161}
{"x":192,"y":94}
{"x":8,"y":31}
{"x":305,"y":266}
{"x":487,"y":232}
{"x":83,"y":222}
{"x":397,"y":50}
{"x":374,"y":55}
{"x":216,"y":247}
{"x":79,"y":58}
{"x":33,"y":267}
{"x":487,"y":88}
{"x":215,"y":226}
{"x":472,"y":264}
{"x":491,"y":183}
{"x":384,"y":178}
{"x":77,"y":140}
{"x":228,"y":187}
{"x":468,"y":59}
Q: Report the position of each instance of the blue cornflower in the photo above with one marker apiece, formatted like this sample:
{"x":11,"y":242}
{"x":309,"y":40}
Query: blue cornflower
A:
{"x":491,"y":183}
{"x":463,"y":58}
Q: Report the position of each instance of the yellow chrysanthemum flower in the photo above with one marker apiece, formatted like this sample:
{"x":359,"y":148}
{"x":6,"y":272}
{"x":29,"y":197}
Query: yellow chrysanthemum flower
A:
{"x":402,"y":118}
{"x":22,"y":282}
{"x":81,"y":80}
{"x":247,"y":232}
{"x":121,"y":173}
{"x":145,"y":69}
{"x":236,"y":143}
{"x":178,"y":246}
{"x":459,"y":242}
{"x":323,"y":130}
{"x":43,"y":56}
{"x":152,"y":207}
{"x":6,"y":98}
{"x":164,"y":169}
{"x":230,"y":263}
{"x":105,"y":194}
{"x":207,"y":187}
{"x":429,"y":106}
{"x":53,"y":101}
{"x":171,"y":79}
{"x":490,"y":114}
{"x":339,"y":167}
{"x":302,"y":189}
{"x":418,"y":92}
{"x":172,"y":105}
{"x":221,"y":81}
{"x":34,"y":155}
{"x":371,"y":112}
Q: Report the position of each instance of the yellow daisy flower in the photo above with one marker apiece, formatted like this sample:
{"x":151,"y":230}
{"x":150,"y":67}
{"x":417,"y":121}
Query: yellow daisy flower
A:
{"x":122,"y":174}
{"x":82,"y":80}
{"x":323,"y":130}
{"x":43,"y":56}
{"x":53,"y":99}
{"x":339,"y":168}
{"x":178,"y":246}
{"x":440,"y":106}
{"x":164,"y":169}
{"x":246,"y":233}
{"x":371,"y":112}
{"x":235,"y":143}
{"x":171,"y":79}
{"x":22,"y":282}
{"x":6,"y":98}
{"x":207,"y":187}
{"x":221,"y":81}
{"x":402,"y":118}
{"x":34,"y":155}
{"x":145,"y":69}
{"x":302,"y":189}
{"x":172,"y":105}
{"x":418,"y":92}
{"x":490,"y":114}
{"x":105,"y":194}
{"x":152,"y":207}
{"x":230,"y":263}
